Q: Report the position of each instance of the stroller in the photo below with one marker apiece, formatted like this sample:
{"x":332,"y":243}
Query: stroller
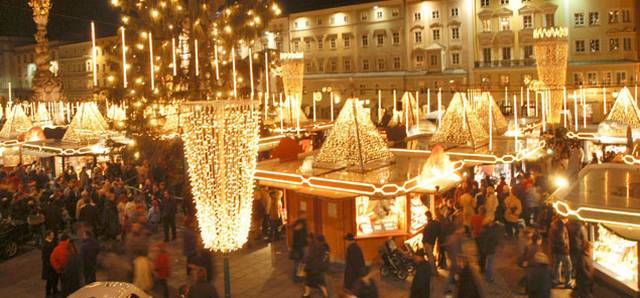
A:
{"x":395,"y":261}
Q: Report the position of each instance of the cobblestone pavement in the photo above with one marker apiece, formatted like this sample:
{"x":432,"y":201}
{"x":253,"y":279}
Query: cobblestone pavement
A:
{"x":263,"y":270}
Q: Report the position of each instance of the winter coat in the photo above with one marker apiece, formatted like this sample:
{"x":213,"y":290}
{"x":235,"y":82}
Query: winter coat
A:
{"x":559,"y":238}
{"x":60,"y":256}
{"x":431,"y":232}
{"x":315,"y":260}
{"x":539,"y":280}
{"x":162,"y":265}
{"x":53,"y":217}
{"x":142,"y":277}
{"x":466,"y":200}
{"x":491,"y":205}
{"x":89,"y":214}
{"x":110,"y":219}
{"x":354,"y":263}
{"x":364,"y":289}
{"x":513,"y":208}
{"x":168,"y":208}
{"x":72,"y":277}
{"x":421,"y":285}
{"x":577,"y":237}
{"x":47,"y":270}
{"x":488,"y":239}
{"x":532,"y":198}
{"x":584,"y":276}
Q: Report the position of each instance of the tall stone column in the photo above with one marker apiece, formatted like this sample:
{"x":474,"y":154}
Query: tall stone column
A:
{"x":551,"y":48}
{"x":46,"y":87}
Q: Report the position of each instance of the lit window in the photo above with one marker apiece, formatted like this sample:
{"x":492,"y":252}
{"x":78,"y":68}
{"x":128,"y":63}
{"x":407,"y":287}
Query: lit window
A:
{"x":380,"y":64}
{"x":455,"y":58}
{"x":577,"y":79}
{"x":613,"y":16}
{"x":580,"y":48}
{"x":606,"y":78}
{"x":455,"y":33}
{"x":347,"y":65}
{"x":595,"y":45}
{"x":486,"y":55}
{"x":454,"y":12}
{"x":434,"y":60}
{"x":418,"y":36}
{"x":395,"y":12}
{"x":486,"y":25}
{"x":364,"y":16}
{"x":365,"y":65}
{"x":527,"y":21}
{"x":594,"y":18}
{"x":592,"y":78}
{"x":614,"y":44}
{"x":621,"y":77}
{"x":578,"y":19}
{"x":505,"y":23}
{"x":380,"y":39}
{"x":435,"y":14}
{"x":379,"y":14}
{"x":506,"y":53}
{"x":396,"y":38}
{"x":332,"y":20}
{"x":332,"y":43}
{"x":419,"y":59}
{"x":347,"y":41}
{"x":396,"y":62}
{"x":365,"y":41}
{"x":417,"y":16}
{"x":528,"y":52}
{"x":485,"y":79}
{"x":504,"y":2}
{"x":436,"y":34}
{"x":484,"y":3}
{"x":504,"y":79}
{"x":627,"y":43}
{"x":626,"y":16}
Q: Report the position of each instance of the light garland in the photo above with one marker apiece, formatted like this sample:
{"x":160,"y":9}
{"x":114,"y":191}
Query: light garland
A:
{"x":460,"y":125}
{"x":354,"y":139}
{"x":42,"y":118}
{"x":292,"y":79}
{"x":625,"y":109}
{"x":551,"y":50}
{"x":221,"y":147}
{"x":488,"y":109}
{"x":87,"y":125}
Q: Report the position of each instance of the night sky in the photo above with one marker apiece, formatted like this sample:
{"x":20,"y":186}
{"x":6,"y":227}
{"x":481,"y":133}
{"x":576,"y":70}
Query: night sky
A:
{"x":69,"y":19}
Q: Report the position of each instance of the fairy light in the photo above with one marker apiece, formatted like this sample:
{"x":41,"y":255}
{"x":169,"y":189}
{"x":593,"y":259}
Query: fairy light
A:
{"x":428,"y":101}
{"x":490,"y":115}
{"x":528,"y":103}
{"x":331,"y":105}
{"x":625,"y":110}
{"x":460,"y":126}
{"x":584,"y":108}
{"x":197,"y":57}
{"x":173,"y":56}
{"x":575,"y":109}
{"x":221,"y":147}
{"x":490,"y":104}
{"x":16,"y":122}
{"x":235,"y":75}
{"x":352,"y":143}
{"x":151,"y":64}
{"x":395,"y":105}
{"x":604,"y":99}
{"x":515,"y":120}
{"x":124,"y":58}
{"x":564,"y":105}
{"x":266,"y":84}
{"x":10,"y":92}
{"x":215,"y":61}
{"x":93,"y":54}
{"x":379,"y":105}
{"x":418,"y":108}
{"x":439,"y":108}
{"x":87,"y":124}
{"x":281,"y":115}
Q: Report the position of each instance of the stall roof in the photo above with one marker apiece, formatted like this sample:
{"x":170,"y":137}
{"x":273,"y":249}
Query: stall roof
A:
{"x":606,"y":193}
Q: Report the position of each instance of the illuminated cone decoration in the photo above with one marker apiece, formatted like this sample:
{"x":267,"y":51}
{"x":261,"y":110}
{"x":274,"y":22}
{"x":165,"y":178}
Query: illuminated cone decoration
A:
{"x":353,"y":140}
{"x":551,"y":50}
{"x":486,"y":102}
{"x":87,"y":124}
{"x":17,"y":123}
{"x":42,"y":117}
{"x":460,"y":125}
{"x":625,"y":110}
{"x":221,"y":148}
{"x":408,"y":106}
{"x":292,"y":79}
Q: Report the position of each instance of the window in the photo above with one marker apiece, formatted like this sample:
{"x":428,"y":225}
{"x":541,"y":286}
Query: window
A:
{"x":486,"y":55}
{"x":333,"y":66}
{"x":592,"y":78}
{"x":580,"y":46}
{"x":454,"y":12}
{"x":396,"y":37}
{"x":621,"y":77}
{"x":306,"y":24}
{"x":434,"y":60}
{"x":365,"y":65}
{"x":504,"y":79}
{"x":365,"y":41}
{"x":332,"y":20}
{"x":549,"y":20}
{"x":595,"y":45}
{"x":578,"y":19}
{"x":347,"y":65}
{"x":332,"y":43}
{"x":484,"y":3}
{"x":455,"y":33}
{"x":504,"y":2}
{"x":626,"y":16}
{"x":455,"y":58}
{"x":345,"y":19}
{"x":319,"y":21}
{"x":606,"y":78}
{"x":627,"y":43}
{"x":296,"y":45}
{"x":436,"y":34}
{"x":486,"y":25}
{"x":594,"y":18}
{"x":320,"y":43}
{"x":364,"y":16}
{"x":363,"y":89}
{"x":613,"y":16}
{"x":506,"y":53}
{"x":435,"y":14}
{"x":307,"y":44}
{"x":614,"y":44}
{"x":380,"y":64}
{"x":396,"y":63}
{"x":379,"y":14}
{"x":380,"y":39}
{"x":395,"y":12}
{"x":347,"y":41}
{"x":528,"y":52}
{"x":417,"y":16}
{"x":320,"y":66}
{"x":418,"y":36}
{"x":419,"y":59}
{"x":527,"y":21}
{"x":295,"y":25}
{"x":577,"y":78}
{"x":505,"y":23}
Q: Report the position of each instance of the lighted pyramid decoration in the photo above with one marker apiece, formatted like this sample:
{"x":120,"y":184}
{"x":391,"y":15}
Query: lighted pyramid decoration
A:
{"x":625,"y":109}
{"x":460,"y":125}
{"x":291,"y":110}
{"x":401,"y":117}
{"x":17,"y":123}
{"x":42,"y":117}
{"x":353,"y":141}
{"x":499,"y":123}
{"x":87,"y":124}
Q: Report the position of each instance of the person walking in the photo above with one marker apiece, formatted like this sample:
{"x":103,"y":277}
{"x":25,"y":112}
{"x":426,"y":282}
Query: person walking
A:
{"x":560,"y":246}
{"x":298,"y":247}
{"x":168,"y":211}
{"x":488,"y":241}
{"x":202,"y":288}
{"x":89,"y":251}
{"x":316,"y":264}
{"x":162,"y":268}
{"x":431,"y":234}
{"x":354,"y":262}
{"x":88,"y":215}
{"x":468,"y":210}
{"x":584,"y":273}
{"x":365,"y":286}
{"x":578,"y":239}
{"x":142,"y":273}
{"x":111,"y":227}
{"x":421,"y":284}
{"x":189,"y":242}
{"x":491,"y":203}
{"x":539,"y":275}
{"x":71,"y":277}
{"x":275,"y":214}
{"x":513,"y":209}
{"x":48,"y":273}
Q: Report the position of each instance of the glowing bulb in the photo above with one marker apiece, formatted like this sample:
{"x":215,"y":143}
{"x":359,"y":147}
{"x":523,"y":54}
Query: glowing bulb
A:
{"x":155,"y":13}
{"x":561,"y":182}
{"x":114,"y":2}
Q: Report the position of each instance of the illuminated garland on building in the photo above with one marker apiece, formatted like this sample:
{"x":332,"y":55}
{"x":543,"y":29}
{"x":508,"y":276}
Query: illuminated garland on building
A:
{"x":460,"y":125}
{"x":482,"y":108}
{"x":87,"y":125}
{"x":551,"y":50}
{"x":347,"y":145}
{"x":625,"y":109}
{"x":292,"y":71}
{"x":17,"y":122}
{"x":221,"y":147}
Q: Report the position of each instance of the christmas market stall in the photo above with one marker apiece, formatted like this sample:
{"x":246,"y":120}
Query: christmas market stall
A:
{"x":355,"y":184}
{"x":607,"y":197}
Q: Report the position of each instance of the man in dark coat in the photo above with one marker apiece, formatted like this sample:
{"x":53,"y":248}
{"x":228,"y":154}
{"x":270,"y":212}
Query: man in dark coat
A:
{"x":488,"y":241}
{"x":168,"y":211}
{"x":354,"y":262}
{"x":53,"y":216}
{"x":584,"y":273}
{"x":48,"y":273}
{"x":89,"y":251}
{"x":110,"y":220}
{"x":559,"y":237}
{"x":71,"y":278}
{"x":431,"y":233}
{"x":89,"y":215}
{"x":578,"y":238}
{"x":299,"y":246}
{"x":421,"y":285}
{"x":538,"y":277}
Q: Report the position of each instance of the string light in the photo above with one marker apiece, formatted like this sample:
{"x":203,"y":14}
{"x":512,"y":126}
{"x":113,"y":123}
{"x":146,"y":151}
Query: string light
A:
{"x":489,"y":111}
{"x":551,"y":50}
{"x":16,"y":123}
{"x":93,"y":54}
{"x":460,"y":125}
{"x":625,"y":109}
{"x":124,"y":58}
{"x":87,"y":125}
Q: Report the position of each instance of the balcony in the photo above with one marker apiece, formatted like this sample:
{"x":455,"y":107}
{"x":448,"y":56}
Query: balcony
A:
{"x":505,"y":63}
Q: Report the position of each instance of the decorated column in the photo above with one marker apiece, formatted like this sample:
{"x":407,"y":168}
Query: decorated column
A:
{"x":551,"y":50}
{"x":46,"y":86}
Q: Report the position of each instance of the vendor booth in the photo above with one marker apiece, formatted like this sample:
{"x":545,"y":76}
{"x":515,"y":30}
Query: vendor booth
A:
{"x":607,"y":196}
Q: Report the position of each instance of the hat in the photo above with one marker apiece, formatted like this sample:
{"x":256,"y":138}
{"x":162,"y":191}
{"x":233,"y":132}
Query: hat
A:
{"x":349,"y":237}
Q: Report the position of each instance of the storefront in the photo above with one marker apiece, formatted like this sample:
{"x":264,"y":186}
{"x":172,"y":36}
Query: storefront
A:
{"x":607,"y":197}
